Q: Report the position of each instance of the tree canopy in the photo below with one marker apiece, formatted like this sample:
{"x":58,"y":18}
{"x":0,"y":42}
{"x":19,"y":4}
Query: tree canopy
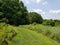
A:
{"x":35,"y":17}
{"x":16,"y":13}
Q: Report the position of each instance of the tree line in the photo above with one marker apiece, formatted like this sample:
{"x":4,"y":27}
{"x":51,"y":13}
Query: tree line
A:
{"x":15,"y":13}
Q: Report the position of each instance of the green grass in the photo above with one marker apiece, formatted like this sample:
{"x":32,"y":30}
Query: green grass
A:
{"x":29,"y":37}
{"x":23,"y":36}
{"x":52,"y":32}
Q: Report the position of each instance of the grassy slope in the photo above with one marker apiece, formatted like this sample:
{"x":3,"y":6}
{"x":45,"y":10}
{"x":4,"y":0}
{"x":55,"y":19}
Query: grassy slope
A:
{"x":28,"y":37}
{"x":52,"y":32}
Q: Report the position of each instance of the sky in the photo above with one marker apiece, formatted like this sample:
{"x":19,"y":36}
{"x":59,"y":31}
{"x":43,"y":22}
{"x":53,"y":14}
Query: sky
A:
{"x":49,"y":9}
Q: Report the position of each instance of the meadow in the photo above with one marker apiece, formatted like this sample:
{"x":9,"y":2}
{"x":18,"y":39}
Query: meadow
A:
{"x":52,"y":32}
{"x":26,"y":35}
{"x":19,"y":26}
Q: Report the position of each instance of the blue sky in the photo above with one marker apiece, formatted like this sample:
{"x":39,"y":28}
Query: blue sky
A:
{"x":49,"y":9}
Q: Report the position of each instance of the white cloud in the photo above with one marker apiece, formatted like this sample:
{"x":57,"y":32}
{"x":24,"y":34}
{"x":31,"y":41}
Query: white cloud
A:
{"x":34,"y":1}
{"x":45,"y":3}
{"x":27,"y":2}
{"x":51,"y":14}
{"x":54,"y":11}
{"x":39,"y":11}
{"x":37,"y":1}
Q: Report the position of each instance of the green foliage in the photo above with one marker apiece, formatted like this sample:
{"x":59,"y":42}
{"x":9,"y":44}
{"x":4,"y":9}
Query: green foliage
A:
{"x":57,"y":23}
{"x":14,"y":11}
{"x":1,"y":15}
{"x":11,"y":35}
{"x":52,"y":32}
{"x":35,"y":17}
{"x":7,"y":33}
{"x":49,"y":22}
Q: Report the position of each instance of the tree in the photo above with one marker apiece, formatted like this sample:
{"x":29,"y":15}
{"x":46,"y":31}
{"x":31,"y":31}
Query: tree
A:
{"x":49,"y":22}
{"x":35,"y":17}
{"x":14,"y":11}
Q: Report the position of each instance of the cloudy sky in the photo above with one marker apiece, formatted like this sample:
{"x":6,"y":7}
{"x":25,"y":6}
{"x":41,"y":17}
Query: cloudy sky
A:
{"x":49,"y":9}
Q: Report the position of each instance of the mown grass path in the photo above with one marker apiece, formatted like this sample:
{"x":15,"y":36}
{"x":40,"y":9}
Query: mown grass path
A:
{"x":29,"y":37}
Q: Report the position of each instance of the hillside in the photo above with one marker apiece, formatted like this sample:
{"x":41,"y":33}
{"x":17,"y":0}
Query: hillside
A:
{"x":12,"y":35}
{"x":49,"y":31}
{"x":28,"y":37}
{"x":22,"y":25}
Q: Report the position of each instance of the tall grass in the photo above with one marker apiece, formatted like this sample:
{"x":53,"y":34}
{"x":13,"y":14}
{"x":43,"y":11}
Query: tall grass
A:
{"x":52,"y":32}
{"x":10,"y":35}
{"x":6,"y":33}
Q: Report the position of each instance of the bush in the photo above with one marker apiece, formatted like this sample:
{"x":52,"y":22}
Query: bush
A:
{"x":35,"y":17}
{"x":49,"y":22}
{"x":7,"y":33}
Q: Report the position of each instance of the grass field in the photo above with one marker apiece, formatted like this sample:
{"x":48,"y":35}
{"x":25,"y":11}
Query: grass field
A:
{"x":12,"y":35}
{"x":52,"y":32}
